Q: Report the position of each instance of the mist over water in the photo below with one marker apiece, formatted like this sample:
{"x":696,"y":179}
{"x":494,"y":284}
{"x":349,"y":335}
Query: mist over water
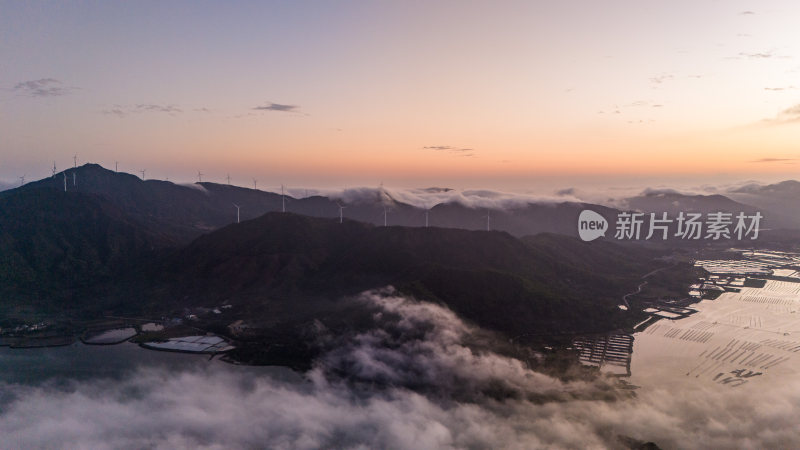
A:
{"x":422,"y":378}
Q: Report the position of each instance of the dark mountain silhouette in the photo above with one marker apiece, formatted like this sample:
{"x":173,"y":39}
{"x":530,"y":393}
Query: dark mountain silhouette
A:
{"x":533,"y":218}
{"x":79,"y":254}
{"x":774,"y":216}
{"x":296,"y":267}
{"x":181,"y":211}
{"x":783,"y":189}
{"x":115,"y":242}
{"x":55,"y":246}
{"x":780,"y":200}
{"x":674,"y":203}
{"x":184,"y":212}
{"x":117,"y":245}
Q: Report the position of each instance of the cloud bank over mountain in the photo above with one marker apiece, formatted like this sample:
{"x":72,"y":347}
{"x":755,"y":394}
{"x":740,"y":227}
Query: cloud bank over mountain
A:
{"x":610,"y":196}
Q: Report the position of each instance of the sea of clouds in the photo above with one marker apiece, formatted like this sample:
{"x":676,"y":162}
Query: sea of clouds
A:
{"x":611,"y":196}
{"x":420,"y":379}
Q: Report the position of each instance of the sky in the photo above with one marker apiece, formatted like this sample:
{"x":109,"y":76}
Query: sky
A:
{"x":500,"y":94}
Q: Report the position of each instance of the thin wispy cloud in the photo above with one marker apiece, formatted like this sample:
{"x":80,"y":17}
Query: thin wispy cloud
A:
{"x":43,"y":87}
{"x":119,"y":112}
{"x":643,"y":103}
{"x":447,"y":148}
{"x":566,"y":192}
{"x":661,"y":79}
{"x":787,"y":88}
{"x":759,"y":55}
{"x":243,"y":116}
{"x":278,"y":107}
{"x":793,"y":111}
{"x":150,"y":107}
{"x":756,"y":55}
{"x":141,"y":108}
{"x":746,"y":13}
{"x":791,"y":115}
{"x":787,"y":116}
{"x":772,"y":160}
{"x":450,"y":149}
{"x":614,"y":110}
{"x":634,"y":108}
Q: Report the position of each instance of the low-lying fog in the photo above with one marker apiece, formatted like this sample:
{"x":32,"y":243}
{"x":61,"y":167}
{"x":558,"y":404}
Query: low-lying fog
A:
{"x":422,"y":378}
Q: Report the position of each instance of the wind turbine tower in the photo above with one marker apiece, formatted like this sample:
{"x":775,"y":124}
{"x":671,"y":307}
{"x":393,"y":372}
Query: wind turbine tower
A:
{"x":54,"y":169}
{"x":199,"y":176}
{"x":255,"y":184}
{"x":229,"y":179}
{"x":22,"y":180}
{"x":341,"y":215}
{"x":116,"y":166}
{"x":237,"y":212}
{"x":75,"y":160}
{"x":143,"y":171}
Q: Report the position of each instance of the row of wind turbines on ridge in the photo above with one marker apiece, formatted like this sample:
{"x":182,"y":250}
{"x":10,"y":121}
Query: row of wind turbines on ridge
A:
{"x":255,"y":187}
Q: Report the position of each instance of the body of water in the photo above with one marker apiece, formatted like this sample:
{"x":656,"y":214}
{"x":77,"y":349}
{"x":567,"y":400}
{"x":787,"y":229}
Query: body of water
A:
{"x":747,"y":338}
{"x":80,"y":362}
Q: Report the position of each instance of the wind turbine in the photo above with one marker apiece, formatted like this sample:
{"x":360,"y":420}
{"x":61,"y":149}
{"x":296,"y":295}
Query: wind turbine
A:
{"x":116,"y":166}
{"x":22,"y":180}
{"x":143,"y":171}
{"x":54,"y":169}
{"x":75,"y":160}
{"x":199,"y":176}
{"x":237,"y":212}
{"x":255,"y":184}
{"x":229,"y":179}
{"x":341,"y":216}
